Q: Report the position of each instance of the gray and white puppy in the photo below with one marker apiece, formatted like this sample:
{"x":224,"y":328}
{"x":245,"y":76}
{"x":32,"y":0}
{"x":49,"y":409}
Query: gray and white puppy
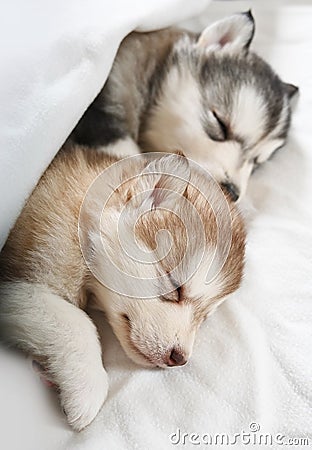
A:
{"x":207,"y":95}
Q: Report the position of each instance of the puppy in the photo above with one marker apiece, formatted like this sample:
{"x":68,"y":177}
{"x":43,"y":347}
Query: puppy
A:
{"x":205,"y":94}
{"x":151,"y":240}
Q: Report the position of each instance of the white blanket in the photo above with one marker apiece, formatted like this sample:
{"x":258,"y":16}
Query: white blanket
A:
{"x":251,"y":368}
{"x":55,"y":57}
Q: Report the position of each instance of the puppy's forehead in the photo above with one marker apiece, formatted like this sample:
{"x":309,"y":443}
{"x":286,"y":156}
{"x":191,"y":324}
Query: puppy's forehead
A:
{"x":246,"y":93}
{"x":248,"y":119}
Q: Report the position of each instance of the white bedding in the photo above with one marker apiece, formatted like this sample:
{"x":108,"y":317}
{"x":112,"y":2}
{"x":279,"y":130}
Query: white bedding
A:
{"x":252,"y":359}
{"x":55,"y":56}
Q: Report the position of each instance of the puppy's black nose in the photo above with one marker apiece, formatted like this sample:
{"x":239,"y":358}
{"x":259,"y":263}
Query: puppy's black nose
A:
{"x":232,"y":190}
{"x":176,"y":358}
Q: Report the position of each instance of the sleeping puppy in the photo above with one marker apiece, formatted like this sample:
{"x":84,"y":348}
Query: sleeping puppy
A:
{"x":151,"y":240}
{"x":205,"y":94}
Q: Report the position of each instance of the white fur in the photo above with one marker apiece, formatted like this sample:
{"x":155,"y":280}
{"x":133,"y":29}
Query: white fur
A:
{"x":158,"y":326}
{"x":249,"y":115}
{"x":265,"y":148}
{"x":47,"y":326}
{"x":231,"y":34}
{"x":121,"y":148}
{"x":174,"y":121}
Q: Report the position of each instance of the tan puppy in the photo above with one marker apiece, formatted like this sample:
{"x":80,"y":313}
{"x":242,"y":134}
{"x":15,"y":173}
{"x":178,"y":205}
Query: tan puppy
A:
{"x":158,"y":248}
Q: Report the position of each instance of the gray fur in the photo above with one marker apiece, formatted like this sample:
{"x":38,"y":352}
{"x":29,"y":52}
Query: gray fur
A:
{"x":136,"y":86}
{"x":131,"y":89}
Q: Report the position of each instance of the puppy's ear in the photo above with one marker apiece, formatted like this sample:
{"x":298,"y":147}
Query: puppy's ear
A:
{"x":233,"y":34}
{"x":290,"y":89}
{"x":162,"y":182}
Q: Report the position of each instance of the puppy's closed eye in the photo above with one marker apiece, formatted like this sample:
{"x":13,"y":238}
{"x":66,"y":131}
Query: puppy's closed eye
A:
{"x":223,"y":127}
{"x":216,"y":128}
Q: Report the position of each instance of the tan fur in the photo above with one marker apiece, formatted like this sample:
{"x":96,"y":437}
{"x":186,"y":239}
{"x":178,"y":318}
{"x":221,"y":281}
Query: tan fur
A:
{"x":45,"y":233}
{"x":43,"y":246}
{"x":59,"y":255}
{"x":147,"y":228}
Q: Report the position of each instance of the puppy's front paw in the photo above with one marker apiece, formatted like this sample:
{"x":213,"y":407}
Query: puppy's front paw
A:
{"x":83,"y":400}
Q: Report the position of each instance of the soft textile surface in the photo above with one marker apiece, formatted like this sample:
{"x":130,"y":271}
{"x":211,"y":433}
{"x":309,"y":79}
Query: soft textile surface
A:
{"x":55,"y":56}
{"x":252,"y":359}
